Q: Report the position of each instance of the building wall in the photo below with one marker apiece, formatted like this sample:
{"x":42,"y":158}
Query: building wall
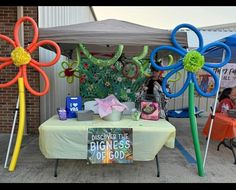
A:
{"x":50,"y":17}
{"x":8,"y":96}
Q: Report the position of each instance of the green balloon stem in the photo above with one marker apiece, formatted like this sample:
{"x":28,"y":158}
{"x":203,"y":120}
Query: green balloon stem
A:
{"x":193,"y":125}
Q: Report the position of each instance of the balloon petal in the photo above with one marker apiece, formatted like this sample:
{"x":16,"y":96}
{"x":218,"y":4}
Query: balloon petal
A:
{"x":65,"y":65}
{"x":10,"y":41}
{"x":191,"y":27}
{"x":61,"y":74}
{"x":178,"y":77}
{"x":27,"y":85}
{"x":77,"y":74}
{"x":48,"y":42}
{"x":74,"y":65}
{"x":169,"y":48}
{"x":181,"y":91}
{"x":14,"y":80}
{"x":217,"y":45}
{"x":17,"y":27}
{"x":70,"y":79}
{"x":216,"y":86}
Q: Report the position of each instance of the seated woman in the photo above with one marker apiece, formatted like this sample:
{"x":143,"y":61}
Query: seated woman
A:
{"x":226,"y":100}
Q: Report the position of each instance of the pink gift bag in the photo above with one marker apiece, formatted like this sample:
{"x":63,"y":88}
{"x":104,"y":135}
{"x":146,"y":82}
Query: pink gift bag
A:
{"x":150,"y":110}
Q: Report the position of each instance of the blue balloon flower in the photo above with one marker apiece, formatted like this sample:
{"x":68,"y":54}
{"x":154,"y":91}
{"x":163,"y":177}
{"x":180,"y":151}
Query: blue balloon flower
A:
{"x":191,"y":61}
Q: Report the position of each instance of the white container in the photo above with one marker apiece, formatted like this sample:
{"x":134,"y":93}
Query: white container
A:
{"x":114,"y":116}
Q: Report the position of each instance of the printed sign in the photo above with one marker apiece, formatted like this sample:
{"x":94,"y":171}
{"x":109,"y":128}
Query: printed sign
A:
{"x":228,"y":75}
{"x":206,"y":82}
{"x":110,"y":145}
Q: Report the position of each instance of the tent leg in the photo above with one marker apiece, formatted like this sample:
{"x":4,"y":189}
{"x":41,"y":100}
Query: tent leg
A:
{"x":167,"y":118}
{"x":230,"y":146}
{"x":222,"y":142}
{"x":56,"y":166}
{"x":233,"y":142}
{"x":232,"y":149}
{"x":158,"y":168}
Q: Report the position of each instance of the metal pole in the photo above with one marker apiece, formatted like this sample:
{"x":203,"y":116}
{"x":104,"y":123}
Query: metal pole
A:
{"x":213,"y":114}
{"x":20,"y":13}
{"x":12,"y":132}
{"x":158,"y":167}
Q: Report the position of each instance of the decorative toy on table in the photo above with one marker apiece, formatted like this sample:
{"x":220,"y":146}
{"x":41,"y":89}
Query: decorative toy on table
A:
{"x":150,"y":110}
{"x":135,"y":114}
{"x":110,"y":108}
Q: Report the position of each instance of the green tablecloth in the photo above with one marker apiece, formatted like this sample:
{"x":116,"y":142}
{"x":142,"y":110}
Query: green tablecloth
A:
{"x":68,"y":139}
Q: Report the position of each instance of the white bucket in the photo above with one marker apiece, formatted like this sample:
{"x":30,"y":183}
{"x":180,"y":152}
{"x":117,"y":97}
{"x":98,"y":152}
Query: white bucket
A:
{"x":114,"y":116}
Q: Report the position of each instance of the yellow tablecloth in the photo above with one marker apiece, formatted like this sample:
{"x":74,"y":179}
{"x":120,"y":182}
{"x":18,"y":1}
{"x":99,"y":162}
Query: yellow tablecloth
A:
{"x":68,"y":139}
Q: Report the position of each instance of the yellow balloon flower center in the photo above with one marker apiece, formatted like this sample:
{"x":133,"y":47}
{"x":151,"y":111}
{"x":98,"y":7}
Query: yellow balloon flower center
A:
{"x":20,"y":56}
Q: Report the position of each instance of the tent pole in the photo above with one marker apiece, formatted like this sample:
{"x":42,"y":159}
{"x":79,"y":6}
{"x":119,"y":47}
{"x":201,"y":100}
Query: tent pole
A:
{"x":12,"y":132}
{"x":213,"y":114}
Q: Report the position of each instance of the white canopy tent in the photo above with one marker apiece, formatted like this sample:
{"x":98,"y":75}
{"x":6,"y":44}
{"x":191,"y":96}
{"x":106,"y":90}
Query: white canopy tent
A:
{"x":98,"y":37}
{"x":103,"y":36}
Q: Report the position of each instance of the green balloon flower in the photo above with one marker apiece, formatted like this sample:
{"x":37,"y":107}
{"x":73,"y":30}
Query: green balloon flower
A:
{"x":193,"y":61}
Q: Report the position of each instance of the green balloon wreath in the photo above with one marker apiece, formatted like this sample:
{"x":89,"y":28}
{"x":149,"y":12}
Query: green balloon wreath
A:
{"x":102,"y":62}
{"x":130,"y":70}
{"x":69,"y":70}
{"x":142,"y":67}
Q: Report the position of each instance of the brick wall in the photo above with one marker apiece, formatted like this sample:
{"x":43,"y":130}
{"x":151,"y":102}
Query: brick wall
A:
{"x":8,"y":96}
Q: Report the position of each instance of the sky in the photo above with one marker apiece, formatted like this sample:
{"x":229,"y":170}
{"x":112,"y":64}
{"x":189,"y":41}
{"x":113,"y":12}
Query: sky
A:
{"x":167,"y":17}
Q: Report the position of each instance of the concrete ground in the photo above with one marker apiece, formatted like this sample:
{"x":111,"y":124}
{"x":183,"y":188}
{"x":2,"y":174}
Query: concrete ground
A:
{"x":32,"y":167}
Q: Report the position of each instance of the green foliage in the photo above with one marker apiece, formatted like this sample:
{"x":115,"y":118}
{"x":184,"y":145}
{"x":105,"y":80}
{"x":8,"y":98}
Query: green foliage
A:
{"x":99,"y":82}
